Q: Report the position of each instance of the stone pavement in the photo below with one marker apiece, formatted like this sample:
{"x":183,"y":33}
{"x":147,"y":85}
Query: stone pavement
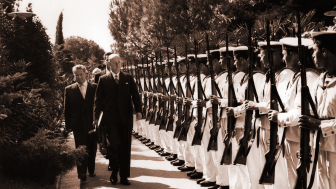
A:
{"x":148,"y":170}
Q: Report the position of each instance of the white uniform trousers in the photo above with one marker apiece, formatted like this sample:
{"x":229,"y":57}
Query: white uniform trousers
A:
{"x":187,"y":150}
{"x":165,"y":141}
{"x":222,"y":177}
{"x":209,"y":168}
{"x":326,"y":170}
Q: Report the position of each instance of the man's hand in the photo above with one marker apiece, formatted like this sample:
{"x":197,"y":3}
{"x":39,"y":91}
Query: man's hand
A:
{"x":214,"y":99}
{"x":250,"y":105}
{"x":179,"y":100}
{"x":273,"y":115}
{"x":201,"y":103}
{"x":186,"y":101}
{"x":138,"y":116}
{"x":165,"y":98}
{"x":172,"y":97}
{"x":229,"y":111}
{"x":308,"y":122}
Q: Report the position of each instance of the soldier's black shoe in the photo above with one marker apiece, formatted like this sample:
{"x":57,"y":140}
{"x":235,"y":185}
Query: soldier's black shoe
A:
{"x":178,"y":163}
{"x":177,"y":159}
{"x":180,"y":167}
{"x":164,"y":153}
{"x":137,"y":136}
{"x":200,"y":180}
{"x":171,"y":157}
{"x":197,"y":175}
{"x":186,"y":168}
{"x":142,"y":138}
{"x":149,"y":143}
{"x":125,"y":181}
{"x":207,"y":183}
{"x":225,"y":187}
{"x":159,"y":150}
{"x":153,"y":147}
{"x":191,"y":172}
{"x":145,"y":141}
{"x":215,"y":187}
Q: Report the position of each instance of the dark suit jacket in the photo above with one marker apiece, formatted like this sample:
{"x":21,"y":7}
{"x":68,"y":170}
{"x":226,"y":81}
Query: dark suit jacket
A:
{"x":78,"y":111}
{"x":115,"y":100}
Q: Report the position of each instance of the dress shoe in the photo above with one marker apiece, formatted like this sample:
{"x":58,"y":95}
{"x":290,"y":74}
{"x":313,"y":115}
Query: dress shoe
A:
{"x":109,"y":168}
{"x":174,"y":160}
{"x":164,"y":153}
{"x":125,"y":181}
{"x":159,"y":149}
{"x":83,"y":179}
{"x":186,"y":168}
{"x":137,"y":136}
{"x":225,"y":187}
{"x":142,"y":138}
{"x":207,"y":183}
{"x":191,"y":172}
{"x":153,"y":147}
{"x":114,"y":177}
{"x":92,"y":174}
{"x":149,"y":143}
{"x":200,"y":180}
{"x":180,"y":167}
{"x":145,"y":141}
{"x":214,"y":187}
{"x":196,"y":175}
{"x":171,"y":157}
{"x":178,"y":163}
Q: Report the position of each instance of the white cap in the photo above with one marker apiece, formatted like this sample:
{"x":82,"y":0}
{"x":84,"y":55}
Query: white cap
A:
{"x":240,"y":48}
{"x":272,"y":43}
{"x":314,"y":34}
{"x":293,"y":41}
{"x":223,"y":49}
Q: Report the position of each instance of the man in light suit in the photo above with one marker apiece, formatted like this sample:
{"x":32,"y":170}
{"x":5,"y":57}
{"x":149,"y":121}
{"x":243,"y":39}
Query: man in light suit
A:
{"x":78,"y":103}
{"x":117,"y":90}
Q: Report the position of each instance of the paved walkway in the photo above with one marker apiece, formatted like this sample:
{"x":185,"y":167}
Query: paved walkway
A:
{"x":148,"y":171}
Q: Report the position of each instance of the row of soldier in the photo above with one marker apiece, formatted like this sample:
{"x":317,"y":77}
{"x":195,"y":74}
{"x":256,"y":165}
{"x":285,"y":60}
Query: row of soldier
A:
{"x":228,"y":129}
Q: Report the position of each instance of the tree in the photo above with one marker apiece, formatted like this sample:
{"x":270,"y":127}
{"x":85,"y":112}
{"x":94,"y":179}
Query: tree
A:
{"x":83,"y":51}
{"x":59,"y":40}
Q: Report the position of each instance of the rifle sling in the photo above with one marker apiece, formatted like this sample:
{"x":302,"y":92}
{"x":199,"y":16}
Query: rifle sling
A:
{"x":217,"y":89}
{"x":317,"y":148}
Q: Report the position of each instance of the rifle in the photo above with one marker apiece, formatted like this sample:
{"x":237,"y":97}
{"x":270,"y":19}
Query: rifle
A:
{"x":150,"y":106}
{"x":144,"y":110}
{"x":179,"y":105}
{"x":245,"y":142}
{"x":306,"y":100}
{"x":164,"y":113}
{"x":215,"y":124}
{"x":155,"y":90}
{"x":170,"y":123}
{"x":268,"y":173}
{"x":159,"y":90}
{"x":231,"y":120}
{"x":200,"y":93}
{"x":187,"y":118}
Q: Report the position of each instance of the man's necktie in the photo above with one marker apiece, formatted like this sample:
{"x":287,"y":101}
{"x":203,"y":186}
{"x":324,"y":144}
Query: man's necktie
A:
{"x":116,"y":78}
{"x":83,"y":91}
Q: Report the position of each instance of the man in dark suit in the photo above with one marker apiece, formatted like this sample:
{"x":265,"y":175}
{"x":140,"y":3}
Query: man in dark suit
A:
{"x":79,"y":101}
{"x":117,"y":90}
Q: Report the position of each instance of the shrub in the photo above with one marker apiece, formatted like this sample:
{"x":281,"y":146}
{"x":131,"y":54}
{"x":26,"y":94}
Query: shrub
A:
{"x":40,"y":158}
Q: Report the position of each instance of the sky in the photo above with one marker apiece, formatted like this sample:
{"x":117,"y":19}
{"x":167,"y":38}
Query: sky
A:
{"x":83,"y":18}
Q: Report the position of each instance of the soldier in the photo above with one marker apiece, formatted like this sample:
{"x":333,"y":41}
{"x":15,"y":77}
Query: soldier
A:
{"x":197,"y":150}
{"x":292,"y":103}
{"x":187,"y":150}
{"x":324,"y":91}
{"x":246,"y":174}
{"x":282,"y":77}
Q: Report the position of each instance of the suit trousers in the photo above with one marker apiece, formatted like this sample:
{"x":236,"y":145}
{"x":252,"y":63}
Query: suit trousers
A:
{"x":88,"y":163}
{"x":120,"y":148}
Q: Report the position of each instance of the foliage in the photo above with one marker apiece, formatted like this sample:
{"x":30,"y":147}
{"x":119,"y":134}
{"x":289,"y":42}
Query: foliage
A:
{"x":84,"y":51}
{"x":27,"y":39}
{"x":59,"y":40}
{"x":142,"y":28}
{"x":40,"y":158}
